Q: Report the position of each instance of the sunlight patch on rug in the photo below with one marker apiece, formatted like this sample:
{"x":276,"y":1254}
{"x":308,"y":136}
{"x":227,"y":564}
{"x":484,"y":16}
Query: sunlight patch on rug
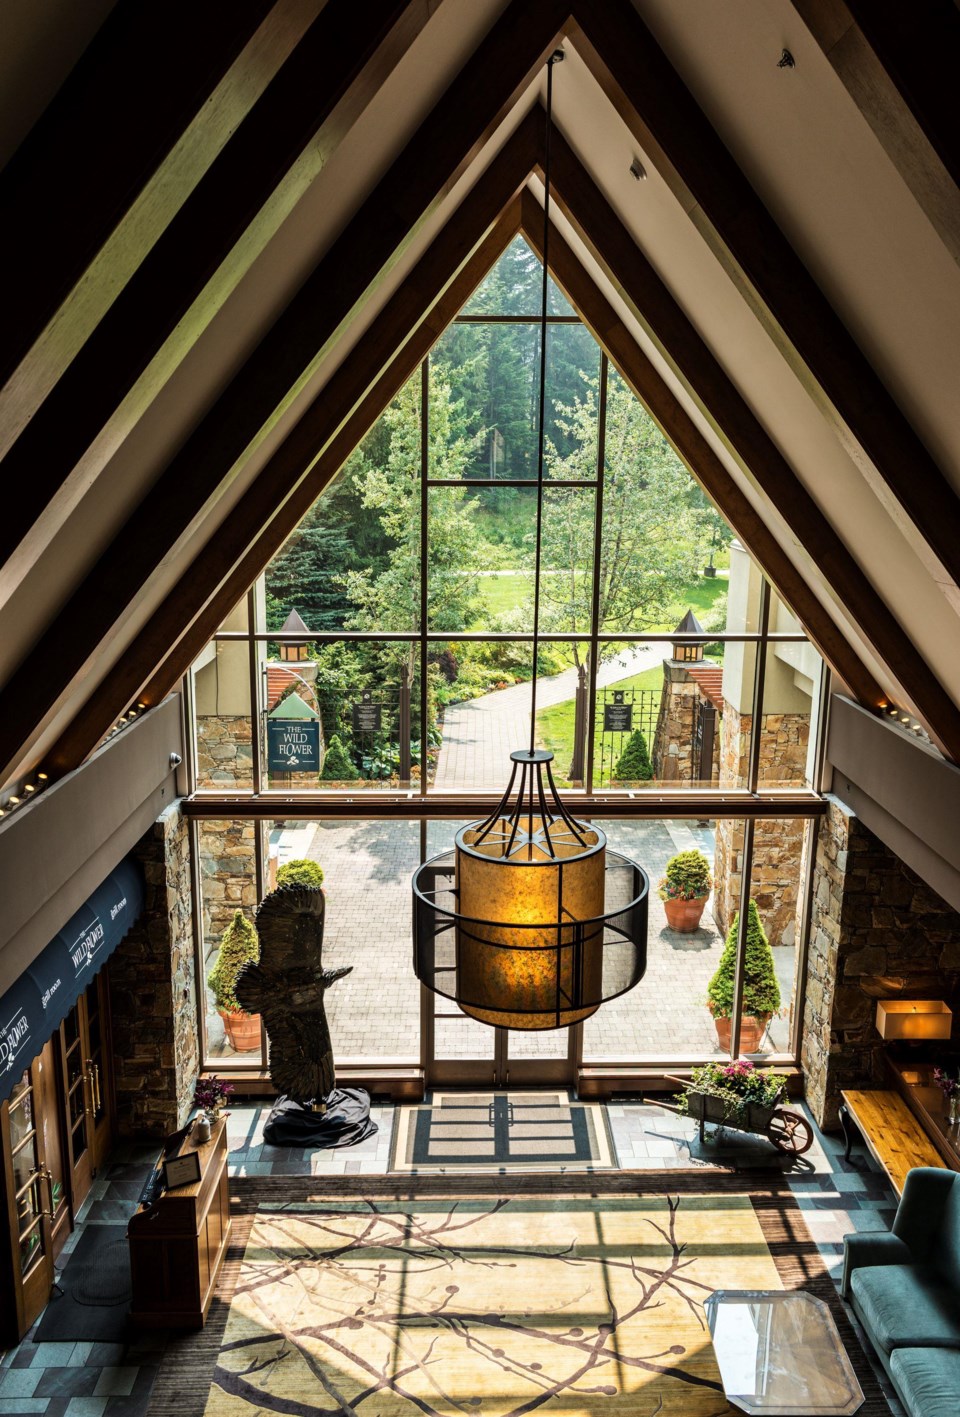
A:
{"x":491,"y":1306}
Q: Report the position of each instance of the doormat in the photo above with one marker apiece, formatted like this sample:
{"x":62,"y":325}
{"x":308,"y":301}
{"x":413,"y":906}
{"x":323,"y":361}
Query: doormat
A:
{"x":501,"y":1131}
{"x":95,"y":1303}
{"x":385,"y":1296}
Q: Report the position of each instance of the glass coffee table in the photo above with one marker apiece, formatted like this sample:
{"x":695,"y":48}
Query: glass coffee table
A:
{"x":780,"y":1352}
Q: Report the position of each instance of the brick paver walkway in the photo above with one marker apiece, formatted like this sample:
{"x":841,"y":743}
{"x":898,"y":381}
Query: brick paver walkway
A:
{"x":479,"y":736}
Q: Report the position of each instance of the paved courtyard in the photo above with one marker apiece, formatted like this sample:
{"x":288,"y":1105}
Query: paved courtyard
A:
{"x":375,"y":1011}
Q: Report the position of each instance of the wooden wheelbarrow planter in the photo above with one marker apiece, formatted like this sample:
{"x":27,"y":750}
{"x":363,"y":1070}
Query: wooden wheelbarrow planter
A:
{"x":789,"y":1132}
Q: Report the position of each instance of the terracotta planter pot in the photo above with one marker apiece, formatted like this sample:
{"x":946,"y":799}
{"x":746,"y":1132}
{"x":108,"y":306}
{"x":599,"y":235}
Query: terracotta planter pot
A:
{"x":684,"y":915}
{"x":751,"y":1032}
{"x":242,"y":1030}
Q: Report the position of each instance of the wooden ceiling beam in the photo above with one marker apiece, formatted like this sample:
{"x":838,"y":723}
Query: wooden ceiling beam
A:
{"x":290,"y":114}
{"x":653,"y":391}
{"x":919,"y":47}
{"x":110,"y":126}
{"x":611,"y":243}
{"x":167,"y":644}
{"x":650,"y":96}
{"x":888,"y":104}
{"x":488,"y":86}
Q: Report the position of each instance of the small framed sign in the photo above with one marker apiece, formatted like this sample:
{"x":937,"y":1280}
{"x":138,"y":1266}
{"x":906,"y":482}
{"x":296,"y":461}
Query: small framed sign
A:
{"x":181,"y":1170}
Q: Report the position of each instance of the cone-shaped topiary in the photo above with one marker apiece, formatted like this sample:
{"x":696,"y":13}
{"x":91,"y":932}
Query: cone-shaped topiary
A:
{"x":300,"y":873}
{"x":338,"y":766}
{"x":761,"y":992}
{"x":634,"y":764}
{"x":238,"y":946}
{"x":687,"y":877}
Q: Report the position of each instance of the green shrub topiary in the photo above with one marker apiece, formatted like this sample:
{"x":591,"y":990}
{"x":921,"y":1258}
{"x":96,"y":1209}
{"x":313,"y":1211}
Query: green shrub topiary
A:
{"x":761,"y":992}
{"x":687,"y":877}
{"x":634,"y":764}
{"x":338,"y":766}
{"x":300,"y":873}
{"x":239,"y":945}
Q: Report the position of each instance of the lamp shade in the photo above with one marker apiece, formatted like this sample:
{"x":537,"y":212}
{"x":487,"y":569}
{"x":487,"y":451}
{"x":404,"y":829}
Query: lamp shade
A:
{"x":531,"y":922}
{"x":530,"y":936}
{"x":913,"y":1019}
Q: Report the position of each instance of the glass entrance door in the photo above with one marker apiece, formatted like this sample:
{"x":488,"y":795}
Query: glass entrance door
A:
{"x":462,"y":1052}
{"x":30,"y":1201}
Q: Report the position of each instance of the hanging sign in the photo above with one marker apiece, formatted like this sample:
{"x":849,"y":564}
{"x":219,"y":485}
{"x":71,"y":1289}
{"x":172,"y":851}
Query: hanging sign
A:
{"x":618,"y":716}
{"x":366,"y":715}
{"x":293,"y":745}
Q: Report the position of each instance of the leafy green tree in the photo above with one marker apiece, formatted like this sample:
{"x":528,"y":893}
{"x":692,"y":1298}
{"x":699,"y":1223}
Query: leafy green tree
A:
{"x":239,"y":945}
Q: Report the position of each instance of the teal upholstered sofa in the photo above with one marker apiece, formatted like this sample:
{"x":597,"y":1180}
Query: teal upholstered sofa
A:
{"x":905,"y":1289}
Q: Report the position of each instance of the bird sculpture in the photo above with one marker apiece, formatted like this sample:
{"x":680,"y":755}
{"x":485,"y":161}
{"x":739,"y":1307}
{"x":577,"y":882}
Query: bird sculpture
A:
{"x":287,"y":987}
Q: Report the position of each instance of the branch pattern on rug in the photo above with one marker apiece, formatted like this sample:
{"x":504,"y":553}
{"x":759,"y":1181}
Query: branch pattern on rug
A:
{"x":495,"y":1306}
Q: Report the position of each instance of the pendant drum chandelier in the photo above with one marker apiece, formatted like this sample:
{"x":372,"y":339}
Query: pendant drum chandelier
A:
{"x":531,"y":922}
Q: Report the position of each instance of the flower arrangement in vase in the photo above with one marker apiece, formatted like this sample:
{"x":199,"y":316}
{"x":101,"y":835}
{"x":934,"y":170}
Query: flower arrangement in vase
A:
{"x":210,"y":1095}
{"x":949,"y":1085}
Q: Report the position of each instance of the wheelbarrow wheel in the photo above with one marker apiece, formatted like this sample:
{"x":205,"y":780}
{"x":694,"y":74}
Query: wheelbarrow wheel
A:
{"x":790,"y":1133}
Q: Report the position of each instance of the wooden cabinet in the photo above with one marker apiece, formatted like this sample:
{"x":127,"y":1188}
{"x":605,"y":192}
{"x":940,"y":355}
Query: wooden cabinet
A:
{"x":177,"y":1245}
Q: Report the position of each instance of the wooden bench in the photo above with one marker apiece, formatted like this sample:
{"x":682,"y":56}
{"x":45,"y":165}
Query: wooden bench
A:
{"x":892,"y":1133}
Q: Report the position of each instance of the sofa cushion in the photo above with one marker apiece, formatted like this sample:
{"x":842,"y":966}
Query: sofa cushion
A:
{"x":928,"y":1380}
{"x":946,"y":1250}
{"x":907,"y":1306}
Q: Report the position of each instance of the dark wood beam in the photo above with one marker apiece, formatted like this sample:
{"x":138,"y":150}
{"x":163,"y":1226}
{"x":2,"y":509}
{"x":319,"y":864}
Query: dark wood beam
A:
{"x":255,"y":530}
{"x":887,"y":108}
{"x":638,"y":78}
{"x":134,"y":91}
{"x":653,"y":391}
{"x":290,"y":114}
{"x":488,"y":86}
{"x":613,"y":246}
{"x":919,"y":47}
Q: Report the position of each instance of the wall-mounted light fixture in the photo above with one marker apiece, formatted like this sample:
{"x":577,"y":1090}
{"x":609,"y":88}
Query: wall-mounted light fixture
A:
{"x":913,"y":1019}
{"x":638,"y":170}
{"x":786,"y":60}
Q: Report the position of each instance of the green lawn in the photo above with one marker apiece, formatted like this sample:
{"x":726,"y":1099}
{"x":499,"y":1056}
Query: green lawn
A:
{"x":555,"y":724}
{"x":503,"y":593}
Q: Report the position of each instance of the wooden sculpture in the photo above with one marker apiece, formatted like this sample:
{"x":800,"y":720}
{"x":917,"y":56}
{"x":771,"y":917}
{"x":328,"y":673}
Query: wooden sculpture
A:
{"x":287,"y":988}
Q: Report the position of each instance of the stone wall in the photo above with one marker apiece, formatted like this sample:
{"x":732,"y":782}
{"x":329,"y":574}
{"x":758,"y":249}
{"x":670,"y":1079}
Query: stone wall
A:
{"x":224,"y":751}
{"x":876,"y":930}
{"x":153,"y":994}
{"x":227,"y":874}
{"x":777,"y":845}
{"x":672,"y":751}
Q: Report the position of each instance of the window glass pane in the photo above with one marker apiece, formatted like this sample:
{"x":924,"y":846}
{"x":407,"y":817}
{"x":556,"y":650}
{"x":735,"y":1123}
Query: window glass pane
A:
{"x":513,"y":286}
{"x":354,"y":561}
{"x":221,"y":691}
{"x":791,"y":696}
{"x":779,"y":863}
{"x":228,"y":889}
{"x":374,"y":1011}
{"x":665,"y":1016}
{"x":346,"y":718}
{"x":480,"y":705}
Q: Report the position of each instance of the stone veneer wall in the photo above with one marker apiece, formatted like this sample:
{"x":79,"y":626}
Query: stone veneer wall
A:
{"x":228,"y":875}
{"x":777,"y":845}
{"x":672,"y":749}
{"x":153,"y":995}
{"x":873,"y":918}
{"x":224,"y":751}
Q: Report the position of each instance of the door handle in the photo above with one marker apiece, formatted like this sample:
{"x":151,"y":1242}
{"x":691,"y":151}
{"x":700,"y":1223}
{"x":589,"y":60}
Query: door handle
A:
{"x":93,"y":1073}
{"x":45,"y":1174}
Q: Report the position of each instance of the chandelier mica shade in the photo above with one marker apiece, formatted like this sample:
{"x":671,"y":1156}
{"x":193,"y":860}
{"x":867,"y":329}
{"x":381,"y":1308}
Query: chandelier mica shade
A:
{"x":531,"y":922}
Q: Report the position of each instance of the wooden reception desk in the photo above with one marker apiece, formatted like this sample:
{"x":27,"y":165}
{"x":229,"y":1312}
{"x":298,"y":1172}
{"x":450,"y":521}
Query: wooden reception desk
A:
{"x":177,"y":1244}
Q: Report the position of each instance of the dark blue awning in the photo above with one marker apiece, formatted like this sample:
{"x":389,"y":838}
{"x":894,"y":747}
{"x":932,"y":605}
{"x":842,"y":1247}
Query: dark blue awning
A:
{"x":33,"y":1009}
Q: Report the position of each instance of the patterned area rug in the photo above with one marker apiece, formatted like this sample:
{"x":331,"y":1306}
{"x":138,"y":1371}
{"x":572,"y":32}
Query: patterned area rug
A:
{"x":505,"y":1131}
{"x":380,"y":1298}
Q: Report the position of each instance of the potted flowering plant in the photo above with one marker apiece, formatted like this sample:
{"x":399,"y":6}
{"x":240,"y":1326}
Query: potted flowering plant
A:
{"x":684,"y":889}
{"x":949,"y":1085}
{"x":732,"y":1092}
